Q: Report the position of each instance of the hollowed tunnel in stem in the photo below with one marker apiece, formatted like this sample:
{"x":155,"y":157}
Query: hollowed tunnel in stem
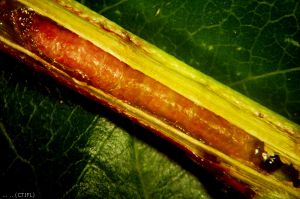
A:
{"x":86,"y":62}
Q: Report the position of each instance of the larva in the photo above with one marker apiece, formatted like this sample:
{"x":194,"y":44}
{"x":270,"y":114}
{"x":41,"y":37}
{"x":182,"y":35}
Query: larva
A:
{"x":86,"y":62}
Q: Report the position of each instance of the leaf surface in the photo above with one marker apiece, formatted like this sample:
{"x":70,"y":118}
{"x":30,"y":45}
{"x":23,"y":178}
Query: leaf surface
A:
{"x":58,"y":144}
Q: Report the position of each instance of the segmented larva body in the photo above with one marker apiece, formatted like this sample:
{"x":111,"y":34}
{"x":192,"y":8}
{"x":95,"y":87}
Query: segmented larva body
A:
{"x":84,"y":61}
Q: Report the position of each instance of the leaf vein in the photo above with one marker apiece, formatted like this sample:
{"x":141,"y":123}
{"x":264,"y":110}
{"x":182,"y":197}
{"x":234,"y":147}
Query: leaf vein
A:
{"x":265,"y":75}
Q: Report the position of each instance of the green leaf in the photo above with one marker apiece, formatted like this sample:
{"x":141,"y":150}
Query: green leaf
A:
{"x":56,"y":143}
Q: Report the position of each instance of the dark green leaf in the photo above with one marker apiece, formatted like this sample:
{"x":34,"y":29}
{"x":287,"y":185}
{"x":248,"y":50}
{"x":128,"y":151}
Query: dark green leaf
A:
{"x":56,"y":143}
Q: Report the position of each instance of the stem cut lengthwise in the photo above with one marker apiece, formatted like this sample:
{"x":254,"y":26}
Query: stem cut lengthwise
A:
{"x":95,"y":68}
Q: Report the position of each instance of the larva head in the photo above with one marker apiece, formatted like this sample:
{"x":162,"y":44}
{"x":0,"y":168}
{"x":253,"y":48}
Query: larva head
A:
{"x":270,"y":163}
